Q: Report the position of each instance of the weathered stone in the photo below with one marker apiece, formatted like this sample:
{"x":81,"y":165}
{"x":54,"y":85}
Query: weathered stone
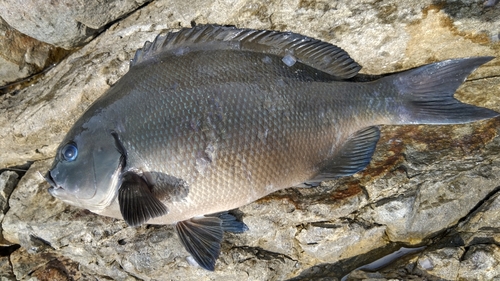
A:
{"x":6,"y":273}
{"x":468,"y":252}
{"x":483,"y":226}
{"x":8,"y":181}
{"x":325,"y":242}
{"x":43,"y":266}
{"x":443,"y":263}
{"x":22,"y":56}
{"x":65,"y":24}
{"x":422,"y":181}
{"x":480,"y":262}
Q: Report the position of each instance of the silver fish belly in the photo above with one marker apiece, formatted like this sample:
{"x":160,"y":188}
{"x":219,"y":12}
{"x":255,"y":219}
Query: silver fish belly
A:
{"x":212,"y":118}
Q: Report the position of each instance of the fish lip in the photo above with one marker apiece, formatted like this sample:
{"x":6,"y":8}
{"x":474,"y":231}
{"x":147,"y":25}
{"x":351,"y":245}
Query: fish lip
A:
{"x":52,"y":182}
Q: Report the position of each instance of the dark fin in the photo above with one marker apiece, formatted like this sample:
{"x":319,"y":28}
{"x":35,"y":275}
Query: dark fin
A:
{"x":315,"y":53}
{"x":230,"y":223}
{"x":202,"y":238}
{"x":355,"y":155}
{"x":137,"y":203}
{"x":427,"y":93}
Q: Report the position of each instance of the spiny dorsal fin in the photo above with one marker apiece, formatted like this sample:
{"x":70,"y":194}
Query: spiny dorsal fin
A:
{"x":315,"y":53}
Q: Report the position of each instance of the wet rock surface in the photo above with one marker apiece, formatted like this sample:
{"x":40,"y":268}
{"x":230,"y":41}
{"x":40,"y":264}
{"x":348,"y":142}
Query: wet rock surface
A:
{"x":436,"y":186}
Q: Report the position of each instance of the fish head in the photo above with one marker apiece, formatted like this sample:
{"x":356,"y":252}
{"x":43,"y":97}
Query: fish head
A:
{"x":86,"y":170}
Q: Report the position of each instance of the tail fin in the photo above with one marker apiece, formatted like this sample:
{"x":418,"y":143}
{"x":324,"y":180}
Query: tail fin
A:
{"x":427,"y":93}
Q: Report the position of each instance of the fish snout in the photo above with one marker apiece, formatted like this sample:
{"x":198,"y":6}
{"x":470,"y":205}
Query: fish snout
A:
{"x":52,"y":182}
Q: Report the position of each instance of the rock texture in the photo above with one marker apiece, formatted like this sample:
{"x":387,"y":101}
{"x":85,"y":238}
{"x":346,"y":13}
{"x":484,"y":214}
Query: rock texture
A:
{"x":22,"y":56}
{"x":65,"y":24}
{"x":435,"y":186}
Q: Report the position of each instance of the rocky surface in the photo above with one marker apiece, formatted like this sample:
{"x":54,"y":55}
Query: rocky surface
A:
{"x":65,"y":24}
{"x":22,"y":56}
{"x":435,"y":186}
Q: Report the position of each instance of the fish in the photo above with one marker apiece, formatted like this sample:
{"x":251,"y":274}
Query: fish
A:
{"x":212,"y":118}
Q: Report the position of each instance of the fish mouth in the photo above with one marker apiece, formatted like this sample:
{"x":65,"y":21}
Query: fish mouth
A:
{"x":52,"y":182}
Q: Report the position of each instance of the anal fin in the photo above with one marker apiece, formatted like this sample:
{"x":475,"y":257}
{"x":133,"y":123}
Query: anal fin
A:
{"x":137,"y":202}
{"x":354,"y":155}
{"x":202,"y":236}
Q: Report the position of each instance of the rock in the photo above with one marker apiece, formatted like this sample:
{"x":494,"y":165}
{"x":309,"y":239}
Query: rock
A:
{"x":481,"y":262}
{"x":22,"y":56}
{"x":442,"y":185}
{"x":66,"y":24}
{"x":478,"y":262}
{"x":426,"y":185}
{"x":442,"y":263}
{"x":468,"y":250}
{"x":325,"y":242}
{"x":6,"y":273}
{"x":43,"y":266}
{"x":482,"y":226}
{"x":8,"y":181}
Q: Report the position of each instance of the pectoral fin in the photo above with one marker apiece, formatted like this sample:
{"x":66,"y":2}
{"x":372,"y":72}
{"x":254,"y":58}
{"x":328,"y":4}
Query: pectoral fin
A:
{"x":137,"y":202}
{"x":354,"y":155}
{"x":202,"y":236}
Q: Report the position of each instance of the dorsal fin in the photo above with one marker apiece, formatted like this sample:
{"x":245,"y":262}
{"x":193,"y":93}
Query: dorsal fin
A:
{"x":315,"y":53}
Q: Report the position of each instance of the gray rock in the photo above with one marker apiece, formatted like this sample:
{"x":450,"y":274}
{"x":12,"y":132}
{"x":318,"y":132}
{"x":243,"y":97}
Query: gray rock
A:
{"x":444,"y":187}
{"x":423,"y":181}
{"x":442,"y":263}
{"x":477,"y":262}
{"x":468,"y":252}
{"x":65,"y":24}
{"x":43,"y":266}
{"x":8,"y":181}
{"x":481,"y":262}
{"x":22,"y":56}
{"x":482,"y":226}
{"x":6,"y":273}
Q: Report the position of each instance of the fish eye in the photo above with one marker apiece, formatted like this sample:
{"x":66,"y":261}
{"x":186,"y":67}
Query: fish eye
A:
{"x":69,"y":152}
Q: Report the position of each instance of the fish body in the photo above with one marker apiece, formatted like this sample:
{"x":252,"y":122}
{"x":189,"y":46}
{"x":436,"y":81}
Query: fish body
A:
{"x":212,"y":118}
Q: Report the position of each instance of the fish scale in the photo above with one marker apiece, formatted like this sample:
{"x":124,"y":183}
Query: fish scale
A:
{"x":212,"y":118}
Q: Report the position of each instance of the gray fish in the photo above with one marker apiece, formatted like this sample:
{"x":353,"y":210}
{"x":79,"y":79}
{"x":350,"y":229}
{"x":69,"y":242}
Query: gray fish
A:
{"x":211,"y":118}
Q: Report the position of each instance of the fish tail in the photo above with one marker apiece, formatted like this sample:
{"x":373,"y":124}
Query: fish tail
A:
{"x":427,"y":93}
